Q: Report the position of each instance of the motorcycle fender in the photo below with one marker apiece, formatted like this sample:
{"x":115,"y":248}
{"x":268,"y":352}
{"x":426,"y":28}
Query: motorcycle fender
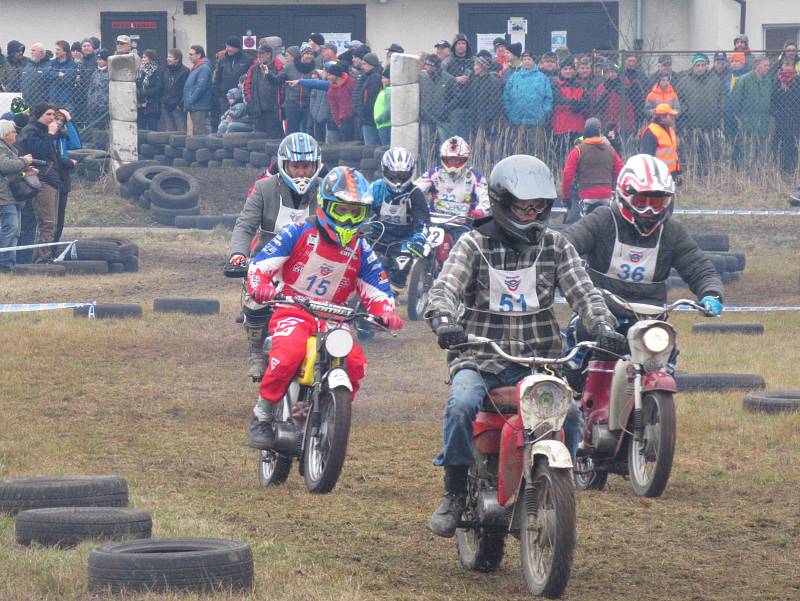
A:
{"x":338,"y":377}
{"x":554,"y":451}
{"x":658,"y":380}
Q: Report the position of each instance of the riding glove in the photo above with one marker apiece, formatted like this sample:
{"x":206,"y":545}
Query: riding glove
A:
{"x":712,"y":305}
{"x":610,"y":340}
{"x":264,"y":293}
{"x":417,"y":244}
{"x":237,"y":259}
{"x":449,"y":335}
{"x":391,"y":321}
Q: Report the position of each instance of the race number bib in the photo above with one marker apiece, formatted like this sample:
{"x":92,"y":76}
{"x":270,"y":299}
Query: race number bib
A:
{"x":513,"y":291}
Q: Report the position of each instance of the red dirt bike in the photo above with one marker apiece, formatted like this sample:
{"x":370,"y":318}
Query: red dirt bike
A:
{"x":521,"y":482}
{"x":441,"y":237}
{"x":628,"y":407}
{"x":312,"y":422}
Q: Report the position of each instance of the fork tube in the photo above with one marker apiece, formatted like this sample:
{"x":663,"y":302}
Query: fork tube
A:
{"x":638,"y":425}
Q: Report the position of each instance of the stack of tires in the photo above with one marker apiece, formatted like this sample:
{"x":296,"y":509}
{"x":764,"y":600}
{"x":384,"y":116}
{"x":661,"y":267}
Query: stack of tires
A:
{"x":102,"y":255}
{"x":730,"y":265}
{"x":92,"y":164}
{"x":167,"y":192}
{"x":62,"y":512}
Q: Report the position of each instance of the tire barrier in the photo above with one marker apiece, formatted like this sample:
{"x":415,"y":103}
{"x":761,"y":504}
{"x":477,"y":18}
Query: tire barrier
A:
{"x":716,"y":382}
{"x":777,"y":401}
{"x":68,"y":526}
{"x":66,"y":491}
{"x":167,"y":565}
{"x":45,"y":269}
{"x":189,"y":306}
{"x":728,"y":328}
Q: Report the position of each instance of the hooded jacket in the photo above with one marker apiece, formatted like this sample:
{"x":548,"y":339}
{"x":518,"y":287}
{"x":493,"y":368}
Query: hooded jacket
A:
{"x":174,"y":81}
{"x":528,"y":97}
{"x":11,"y":70}
{"x":458,"y":66}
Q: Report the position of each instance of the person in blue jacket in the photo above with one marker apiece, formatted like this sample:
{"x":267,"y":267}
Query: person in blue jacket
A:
{"x":60,"y":75}
{"x":528,"y":95}
{"x":66,"y":139}
{"x":197,"y":91}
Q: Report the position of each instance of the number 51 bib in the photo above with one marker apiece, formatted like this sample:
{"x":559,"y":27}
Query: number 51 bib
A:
{"x":513,"y":291}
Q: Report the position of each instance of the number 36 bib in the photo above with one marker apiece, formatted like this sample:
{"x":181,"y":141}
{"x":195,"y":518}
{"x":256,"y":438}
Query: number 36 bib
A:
{"x":633,"y":264}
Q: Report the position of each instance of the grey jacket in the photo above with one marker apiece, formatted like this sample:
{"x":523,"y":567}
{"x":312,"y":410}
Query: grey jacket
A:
{"x":261,"y":210}
{"x":10,"y":163}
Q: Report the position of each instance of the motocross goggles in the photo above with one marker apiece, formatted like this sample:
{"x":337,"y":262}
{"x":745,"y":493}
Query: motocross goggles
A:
{"x":397,"y":177}
{"x":643,"y":203}
{"x":345,"y":212}
{"x":531,"y":206}
{"x":454,"y":162}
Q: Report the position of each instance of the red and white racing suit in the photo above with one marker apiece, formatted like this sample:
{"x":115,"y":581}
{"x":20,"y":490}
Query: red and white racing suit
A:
{"x":309,"y":264}
{"x":464,"y":195}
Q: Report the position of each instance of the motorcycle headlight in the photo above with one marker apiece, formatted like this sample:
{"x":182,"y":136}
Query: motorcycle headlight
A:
{"x":338,"y":343}
{"x":656,"y":339}
{"x":548,"y":400}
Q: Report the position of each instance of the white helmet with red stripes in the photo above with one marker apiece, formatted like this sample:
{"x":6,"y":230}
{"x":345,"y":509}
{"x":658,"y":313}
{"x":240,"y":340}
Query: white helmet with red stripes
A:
{"x":644,"y":193}
{"x":454,"y":154}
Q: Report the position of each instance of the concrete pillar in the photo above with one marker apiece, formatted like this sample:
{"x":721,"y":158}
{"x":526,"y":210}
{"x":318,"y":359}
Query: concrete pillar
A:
{"x":405,"y":102}
{"x":122,"y":130}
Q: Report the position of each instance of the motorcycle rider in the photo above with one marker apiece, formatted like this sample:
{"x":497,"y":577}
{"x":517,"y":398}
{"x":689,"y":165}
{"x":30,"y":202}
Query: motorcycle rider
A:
{"x":401,"y":214}
{"x":273,"y":203}
{"x":505,"y":272}
{"x":323,"y":259}
{"x":453,"y":188}
{"x":629,"y":248}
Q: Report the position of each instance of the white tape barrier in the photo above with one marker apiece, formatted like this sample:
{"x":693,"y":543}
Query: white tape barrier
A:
{"x":722,"y":212}
{"x":560,"y":300}
{"x":28,"y":307}
{"x":70,"y":248}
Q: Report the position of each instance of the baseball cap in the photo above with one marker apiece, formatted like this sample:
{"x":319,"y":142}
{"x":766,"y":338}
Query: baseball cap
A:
{"x":123,"y":39}
{"x":720,"y":56}
{"x":664,"y":109}
{"x":499,"y":42}
{"x":442,"y":44}
{"x":665,"y":59}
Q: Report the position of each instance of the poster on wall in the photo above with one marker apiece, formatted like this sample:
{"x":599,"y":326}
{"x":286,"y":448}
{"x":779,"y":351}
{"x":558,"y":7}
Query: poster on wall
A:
{"x":518,"y":25}
{"x":342,"y":40}
{"x":558,"y":39}
{"x":486,"y":41}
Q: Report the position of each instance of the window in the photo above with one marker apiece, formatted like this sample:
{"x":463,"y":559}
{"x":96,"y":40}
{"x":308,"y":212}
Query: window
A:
{"x":775,"y":36}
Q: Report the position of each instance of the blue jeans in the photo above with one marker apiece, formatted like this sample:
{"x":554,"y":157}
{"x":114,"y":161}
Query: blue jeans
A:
{"x":385,"y":135}
{"x":10,"y":218}
{"x":370,"y":134}
{"x":466,"y":393}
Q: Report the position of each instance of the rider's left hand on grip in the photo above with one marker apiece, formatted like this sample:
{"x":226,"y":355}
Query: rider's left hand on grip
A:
{"x":391,"y":321}
{"x":712,"y":305}
{"x":450,"y":335}
{"x":264,"y":293}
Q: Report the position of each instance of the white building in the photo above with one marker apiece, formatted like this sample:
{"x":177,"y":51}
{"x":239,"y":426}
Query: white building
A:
{"x":415,"y":24}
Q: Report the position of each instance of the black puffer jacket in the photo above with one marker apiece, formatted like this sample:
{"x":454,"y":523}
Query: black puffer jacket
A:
{"x":593,"y":238}
{"x":458,"y":66}
{"x":229,"y":70}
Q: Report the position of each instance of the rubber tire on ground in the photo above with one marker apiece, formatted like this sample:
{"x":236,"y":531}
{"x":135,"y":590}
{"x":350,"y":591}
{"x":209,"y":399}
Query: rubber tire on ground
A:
{"x":741,"y":260}
{"x":174,"y":190}
{"x":110,"y":311}
{"x":142,"y":178}
{"x":196,"y":142}
{"x":723,"y":262}
{"x":213,"y":141}
{"x":147,"y":151}
{"x":231,"y":164}
{"x":166,"y":565}
{"x":178,"y":140}
{"x":125,"y":172}
{"x":223,"y":153}
{"x":714,"y":382}
{"x":85,"y":267}
{"x":93,"y":249}
{"x":126,"y":191}
{"x":729,"y":277}
{"x":40,"y":269}
{"x":144,"y":200}
{"x":728,"y":328}
{"x":116,"y":267}
{"x":180,"y":163}
{"x":167,"y":216}
{"x":775,"y":401}
{"x":213,"y":164}
{"x":190,"y":306}
{"x":259,"y":158}
{"x":131,"y":265}
{"x":68,"y":526}
{"x":127,"y":249}
{"x":351,"y":154}
{"x":66,"y":491}
{"x":342,"y":415}
{"x":160,"y":138}
{"x":713,"y":242}
{"x":186,"y":222}
{"x":203,"y":155}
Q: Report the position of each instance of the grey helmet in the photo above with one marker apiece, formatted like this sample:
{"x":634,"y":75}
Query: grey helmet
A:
{"x":520,"y":176}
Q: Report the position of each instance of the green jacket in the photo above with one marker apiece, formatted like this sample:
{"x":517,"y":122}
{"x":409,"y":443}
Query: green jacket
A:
{"x":10,"y":163}
{"x":751,"y":104}
{"x":383,"y":108}
{"x":701,"y":100}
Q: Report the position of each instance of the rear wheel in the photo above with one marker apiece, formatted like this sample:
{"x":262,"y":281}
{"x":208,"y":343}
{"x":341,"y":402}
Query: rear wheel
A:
{"x":586,"y":478}
{"x":547,"y":538}
{"x":479,"y":549}
{"x":650,"y":461}
{"x":325,"y":453}
{"x":273,"y":468}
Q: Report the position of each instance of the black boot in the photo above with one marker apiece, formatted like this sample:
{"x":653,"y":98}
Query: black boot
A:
{"x":260,"y":434}
{"x":444,"y":520}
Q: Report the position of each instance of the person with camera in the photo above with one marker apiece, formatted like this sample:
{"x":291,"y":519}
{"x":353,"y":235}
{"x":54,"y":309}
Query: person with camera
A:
{"x":11,"y":165}
{"x":261,"y":93}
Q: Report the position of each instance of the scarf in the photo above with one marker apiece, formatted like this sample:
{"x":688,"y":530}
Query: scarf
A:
{"x":785,"y":77}
{"x":146,"y":71}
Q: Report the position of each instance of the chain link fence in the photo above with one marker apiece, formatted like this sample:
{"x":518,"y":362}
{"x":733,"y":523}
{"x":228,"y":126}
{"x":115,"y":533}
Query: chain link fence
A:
{"x":736,"y":112}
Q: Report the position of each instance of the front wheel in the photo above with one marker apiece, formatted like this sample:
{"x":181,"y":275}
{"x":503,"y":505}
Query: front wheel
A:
{"x":547,"y":538}
{"x":324,"y":454}
{"x":418,"y":289}
{"x":650,"y":461}
{"x":273,"y":468}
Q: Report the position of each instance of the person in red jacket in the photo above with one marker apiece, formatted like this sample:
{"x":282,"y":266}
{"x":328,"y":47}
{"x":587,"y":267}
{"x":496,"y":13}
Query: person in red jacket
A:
{"x":570,"y":101}
{"x":594,"y":165}
{"x":340,"y":102}
{"x":323,"y":259}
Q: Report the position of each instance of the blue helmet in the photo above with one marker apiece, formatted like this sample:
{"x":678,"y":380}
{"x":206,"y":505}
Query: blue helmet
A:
{"x":343,"y":203}
{"x":397,"y":166}
{"x":299,"y":147}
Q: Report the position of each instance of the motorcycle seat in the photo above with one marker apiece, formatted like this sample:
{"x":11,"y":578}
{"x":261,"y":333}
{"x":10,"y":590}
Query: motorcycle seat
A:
{"x":500,"y":400}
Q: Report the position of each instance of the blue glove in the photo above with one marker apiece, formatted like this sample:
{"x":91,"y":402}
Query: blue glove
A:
{"x":416,"y":244}
{"x":712,"y":305}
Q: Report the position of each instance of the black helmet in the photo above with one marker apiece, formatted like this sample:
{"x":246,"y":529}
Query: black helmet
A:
{"x":515,"y":178}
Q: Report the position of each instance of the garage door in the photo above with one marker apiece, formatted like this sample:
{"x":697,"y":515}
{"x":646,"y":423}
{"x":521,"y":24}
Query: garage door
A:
{"x":588,"y":25}
{"x":293,"y":23}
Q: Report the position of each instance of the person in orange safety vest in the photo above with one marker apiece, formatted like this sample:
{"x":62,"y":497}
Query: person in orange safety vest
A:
{"x":660,"y":140}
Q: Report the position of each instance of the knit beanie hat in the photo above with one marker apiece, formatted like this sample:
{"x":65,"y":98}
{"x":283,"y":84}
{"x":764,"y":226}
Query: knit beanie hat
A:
{"x":591,"y":128}
{"x":233,"y":41}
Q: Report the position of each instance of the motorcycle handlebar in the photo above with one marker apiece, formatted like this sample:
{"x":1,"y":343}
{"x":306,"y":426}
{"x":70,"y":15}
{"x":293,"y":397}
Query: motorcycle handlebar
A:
{"x":473,"y":340}
{"x":235,"y":271}
{"x":333,"y":312}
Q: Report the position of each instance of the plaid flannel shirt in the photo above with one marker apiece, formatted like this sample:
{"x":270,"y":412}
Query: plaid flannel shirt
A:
{"x":465,"y":279}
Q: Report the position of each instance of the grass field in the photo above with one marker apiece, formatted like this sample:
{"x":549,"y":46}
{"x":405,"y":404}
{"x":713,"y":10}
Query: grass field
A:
{"x":163,"y":401}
